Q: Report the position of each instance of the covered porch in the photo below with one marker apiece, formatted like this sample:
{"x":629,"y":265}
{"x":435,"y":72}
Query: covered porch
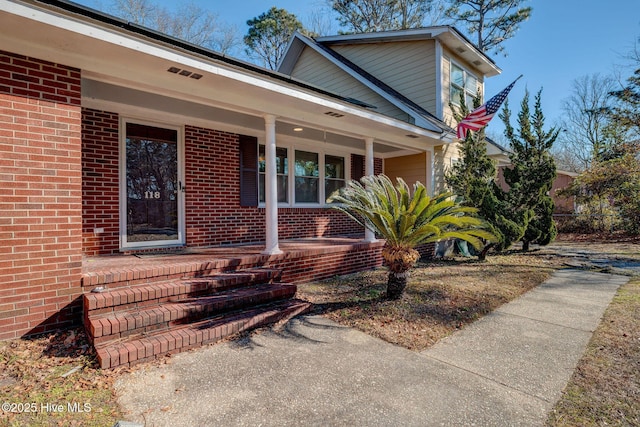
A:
{"x":196,"y":112}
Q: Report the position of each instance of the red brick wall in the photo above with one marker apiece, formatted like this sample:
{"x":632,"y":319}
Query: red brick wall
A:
{"x":377,"y":166}
{"x":305,"y":267}
{"x":40,"y":195}
{"x":213,"y":212}
{"x":100,"y":190}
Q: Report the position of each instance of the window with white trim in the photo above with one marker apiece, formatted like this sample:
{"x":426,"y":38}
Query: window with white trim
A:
{"x":282,"y":171}
{"x":463,"y":83}
{"x":334,"y":176}
{"x":307,"y":173}
{"x":306,"y":178}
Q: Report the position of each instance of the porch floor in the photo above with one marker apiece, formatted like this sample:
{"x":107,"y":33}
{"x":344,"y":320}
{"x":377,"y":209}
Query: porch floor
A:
{"x":132,"y":269}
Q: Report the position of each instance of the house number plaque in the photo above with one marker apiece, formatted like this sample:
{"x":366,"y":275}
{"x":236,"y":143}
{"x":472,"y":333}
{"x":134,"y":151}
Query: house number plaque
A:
{"x":151,"y":194}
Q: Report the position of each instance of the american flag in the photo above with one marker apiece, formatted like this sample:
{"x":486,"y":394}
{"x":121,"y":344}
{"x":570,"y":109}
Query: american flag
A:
{"x":480,"y":117}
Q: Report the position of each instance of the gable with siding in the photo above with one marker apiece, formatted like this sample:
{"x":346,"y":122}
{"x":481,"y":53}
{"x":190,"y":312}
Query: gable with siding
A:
{"x":409,"y":67}
{"x":313,"y":68}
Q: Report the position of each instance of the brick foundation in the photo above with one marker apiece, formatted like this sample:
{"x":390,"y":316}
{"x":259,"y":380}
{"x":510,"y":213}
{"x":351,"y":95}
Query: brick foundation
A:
{"x":300,"y":262}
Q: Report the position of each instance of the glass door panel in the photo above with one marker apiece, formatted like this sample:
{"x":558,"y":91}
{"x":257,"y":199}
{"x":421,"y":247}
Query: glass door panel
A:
{"x":152,"y":186}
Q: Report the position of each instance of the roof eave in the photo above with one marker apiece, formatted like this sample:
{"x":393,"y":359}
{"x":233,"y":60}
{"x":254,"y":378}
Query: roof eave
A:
{"x":392,"y":130}
{"x":447,"y":34}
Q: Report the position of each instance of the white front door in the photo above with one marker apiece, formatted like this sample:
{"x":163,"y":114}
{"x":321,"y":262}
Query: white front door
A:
{"x":152,"y":190}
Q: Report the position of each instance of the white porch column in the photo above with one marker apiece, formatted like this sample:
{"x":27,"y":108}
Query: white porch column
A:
{"x":271,"y":187}
{"x":369,"y":236}
{"x":431,"y":171}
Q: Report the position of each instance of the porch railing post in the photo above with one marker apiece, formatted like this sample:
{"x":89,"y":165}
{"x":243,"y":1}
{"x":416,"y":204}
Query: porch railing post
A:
{"x":271,"y":186}
{"x":369,"y":236}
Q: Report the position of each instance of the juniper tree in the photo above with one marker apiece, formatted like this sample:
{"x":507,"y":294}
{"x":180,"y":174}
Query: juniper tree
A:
{"x":531,"y":173}
{"x":473,"y":178}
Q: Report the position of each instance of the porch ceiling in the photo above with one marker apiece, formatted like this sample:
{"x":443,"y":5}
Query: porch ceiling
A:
{"x":226,"y":94}
{"x":101,"y":95}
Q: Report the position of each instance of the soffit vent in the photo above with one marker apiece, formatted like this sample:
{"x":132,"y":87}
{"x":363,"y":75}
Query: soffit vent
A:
{"x":334,"y":114}
{"x":184,"y":73}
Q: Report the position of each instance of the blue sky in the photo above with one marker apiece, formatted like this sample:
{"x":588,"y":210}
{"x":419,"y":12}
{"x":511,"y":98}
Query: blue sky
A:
{"x":563,"y":40}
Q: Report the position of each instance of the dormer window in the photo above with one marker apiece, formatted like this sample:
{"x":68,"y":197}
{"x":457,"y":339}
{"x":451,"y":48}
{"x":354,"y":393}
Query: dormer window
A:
{"x":463,"y":83}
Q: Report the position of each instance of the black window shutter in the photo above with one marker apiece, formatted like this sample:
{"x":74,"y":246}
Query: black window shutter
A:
{"x":357,"y":167}
{"x":248,"y":170}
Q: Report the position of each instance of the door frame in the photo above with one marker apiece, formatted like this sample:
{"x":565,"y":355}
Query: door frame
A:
{"x":181,"y":240}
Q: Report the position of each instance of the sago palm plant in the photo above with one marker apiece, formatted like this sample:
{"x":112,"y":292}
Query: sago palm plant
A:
{"x":405,"y":220}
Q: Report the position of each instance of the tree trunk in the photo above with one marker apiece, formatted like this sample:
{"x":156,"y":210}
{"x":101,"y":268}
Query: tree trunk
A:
{"x":483,"y":253}
{"x":525,"y":246}
{"x":396,"y":284}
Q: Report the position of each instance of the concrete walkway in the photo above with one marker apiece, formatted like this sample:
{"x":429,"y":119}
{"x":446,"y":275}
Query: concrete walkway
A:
{"x":507,"y":369}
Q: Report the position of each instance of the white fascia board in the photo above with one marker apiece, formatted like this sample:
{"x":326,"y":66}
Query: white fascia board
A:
{"x":446,"y":36}
{"x":417,"y":117}
{"x":394,"y":35}
{"x":438,"y":32}
{"x":90,"y":29}
{"x":292,"y":53}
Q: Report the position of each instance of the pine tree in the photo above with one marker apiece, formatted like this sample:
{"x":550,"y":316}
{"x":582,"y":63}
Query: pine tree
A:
{"x":531,"y":173}
{"x":269,"y":35}
{"x":473,"y":178}
{"x":489,"y":22}
{"x":627,"y":112}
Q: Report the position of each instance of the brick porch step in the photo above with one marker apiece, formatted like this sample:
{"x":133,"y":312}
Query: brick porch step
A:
{"x":125,"y":353}
{"x":133,"y":324}
{"x":162,"y":315}
{"x":173,"y":290}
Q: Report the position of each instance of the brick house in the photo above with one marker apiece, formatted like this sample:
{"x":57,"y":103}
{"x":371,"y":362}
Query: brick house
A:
{"x":117,"y":139}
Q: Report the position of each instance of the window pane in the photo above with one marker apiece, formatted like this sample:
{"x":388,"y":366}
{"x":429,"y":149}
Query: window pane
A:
{"x":455,"y":96}
{"x":282,"y":169}
{"x":306,"y":190}
{"x":457,"y":75}
{"x":469,"y":100}
{"x":283,"y":189}
{"x":471,"y":84}
{"x":306,"y":164}
{"x":261,"y":196}
{"x":332,"y":185}
{"x":334,"y":167}
{"x":261,"y":159}
{"x":282,"y":163}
